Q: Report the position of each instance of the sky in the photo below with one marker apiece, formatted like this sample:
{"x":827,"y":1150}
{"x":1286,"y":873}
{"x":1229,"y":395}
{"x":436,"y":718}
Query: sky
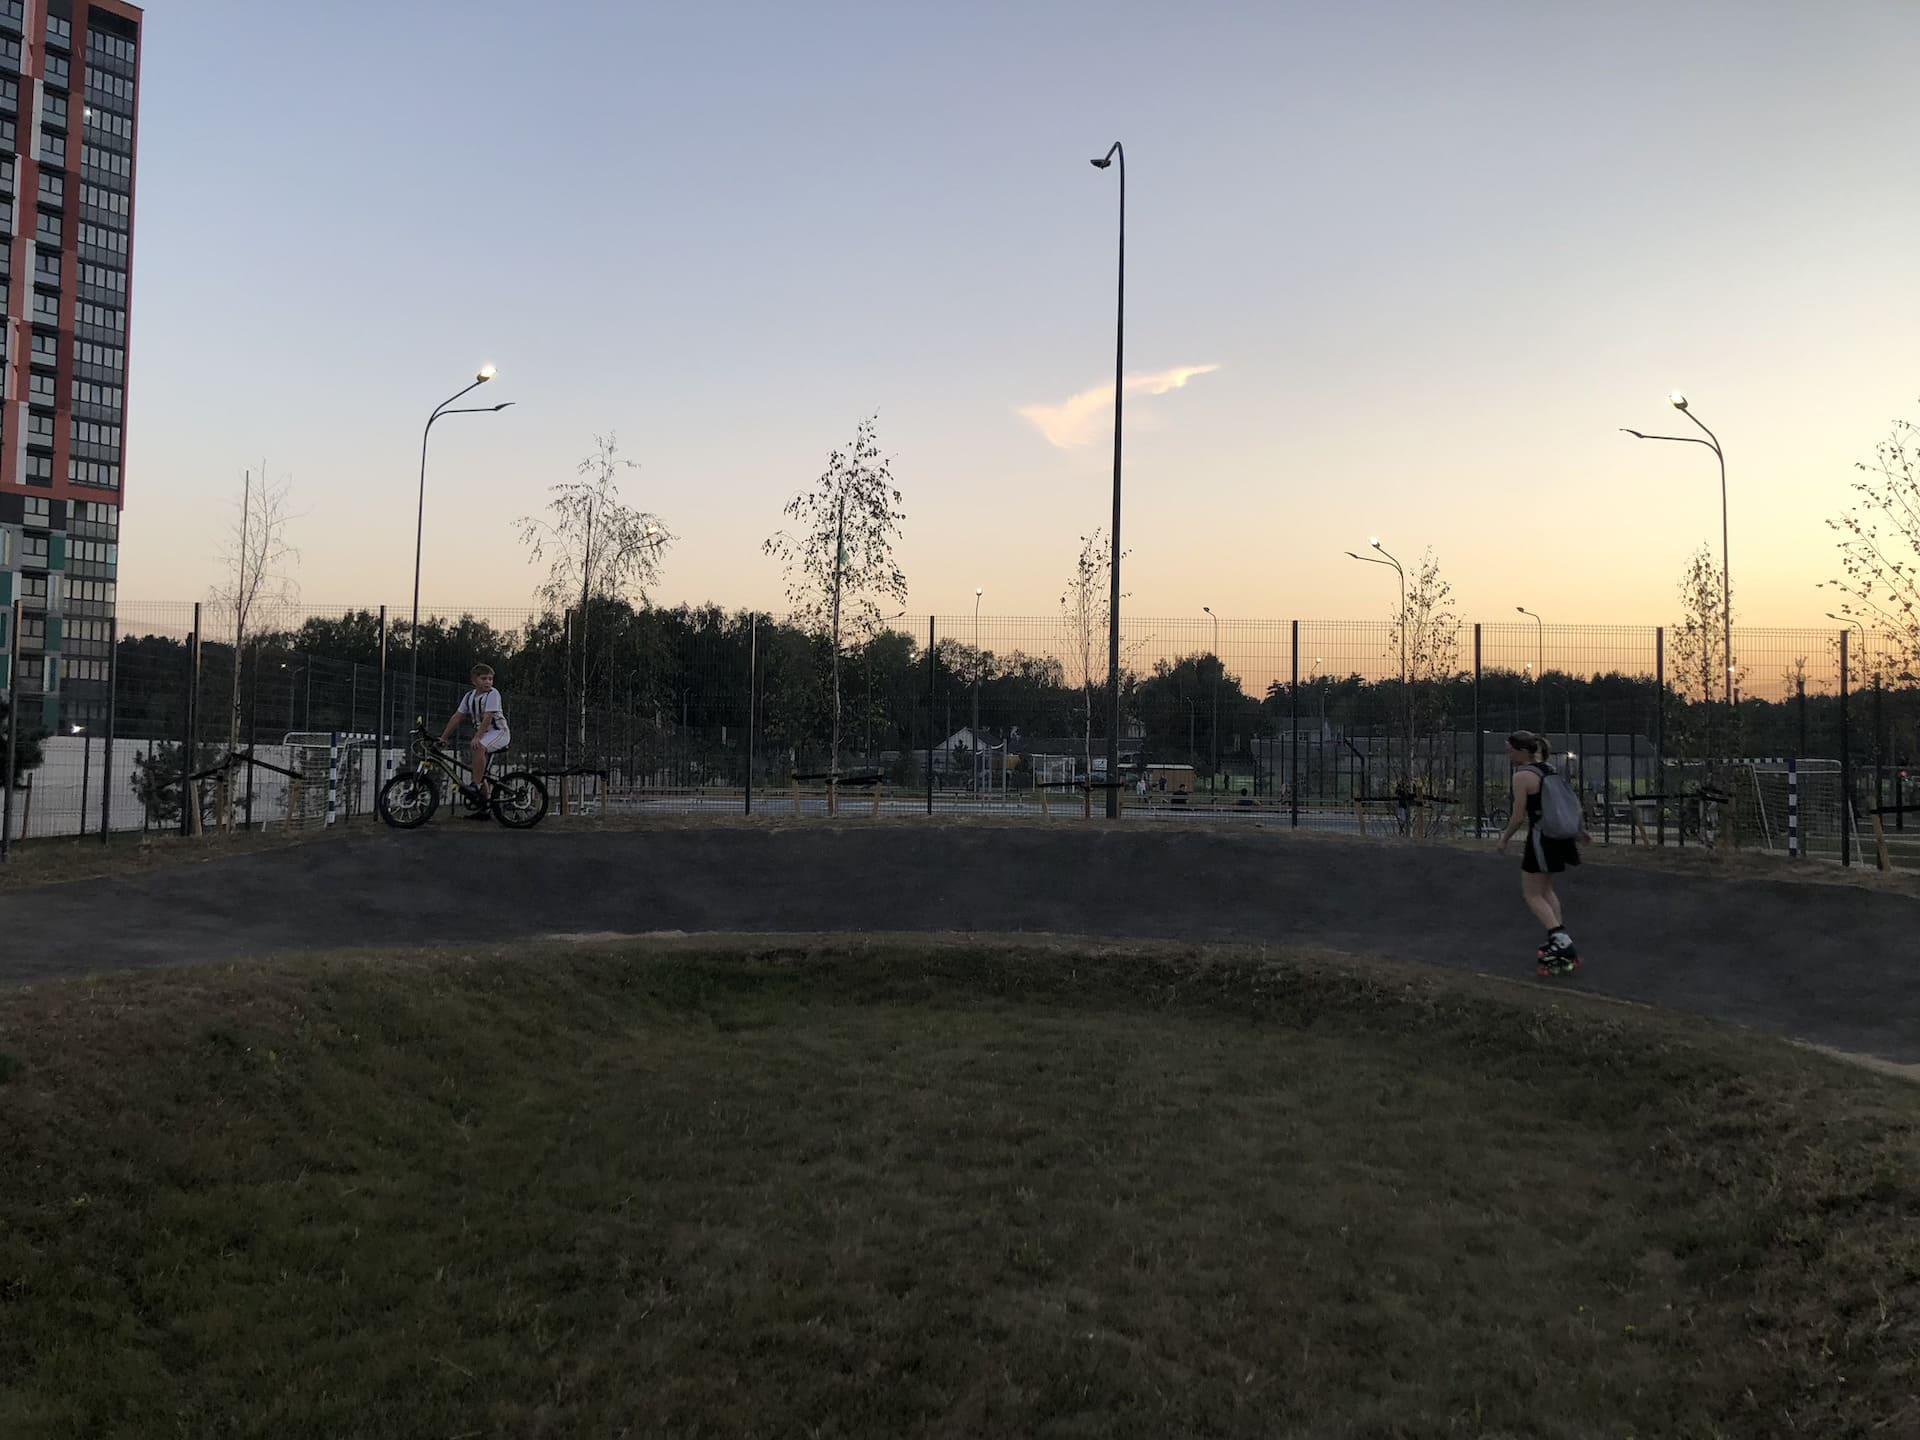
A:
{"x":1393,"y":269}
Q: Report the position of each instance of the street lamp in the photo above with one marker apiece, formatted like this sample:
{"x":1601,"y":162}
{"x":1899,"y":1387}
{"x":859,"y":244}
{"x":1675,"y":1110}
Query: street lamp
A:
{"x":1214,"y":776}
{"x":1113,"y":594}
{"x":1406,"y":692}
{"x":1539,"y":660}
{"x":1712,"y":442}
{"x":486,"y":373}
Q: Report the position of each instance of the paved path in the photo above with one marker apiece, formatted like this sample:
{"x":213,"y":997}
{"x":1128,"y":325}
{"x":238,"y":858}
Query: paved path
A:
{"x":1827,"y":963}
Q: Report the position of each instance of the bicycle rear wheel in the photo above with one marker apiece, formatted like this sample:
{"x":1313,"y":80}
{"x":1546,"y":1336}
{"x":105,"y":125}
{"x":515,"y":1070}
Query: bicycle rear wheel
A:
{"x":408,"y":801}
{"x":519,"y":800}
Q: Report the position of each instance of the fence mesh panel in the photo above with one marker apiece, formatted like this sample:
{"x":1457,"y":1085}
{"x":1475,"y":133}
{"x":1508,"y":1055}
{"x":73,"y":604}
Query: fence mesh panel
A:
{"x":1319,"y":723}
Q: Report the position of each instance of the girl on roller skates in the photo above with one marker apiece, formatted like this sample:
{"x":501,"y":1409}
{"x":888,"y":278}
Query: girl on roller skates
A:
{"x":1544,"y":856}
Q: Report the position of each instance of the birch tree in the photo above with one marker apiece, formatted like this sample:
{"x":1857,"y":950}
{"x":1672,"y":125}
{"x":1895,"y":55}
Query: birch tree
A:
{"x":837,"y":555}
{"x":1087,"y":606}
{"x":255,"y":574}
{"x":1879,"y":541}
{"x":595,"y":547}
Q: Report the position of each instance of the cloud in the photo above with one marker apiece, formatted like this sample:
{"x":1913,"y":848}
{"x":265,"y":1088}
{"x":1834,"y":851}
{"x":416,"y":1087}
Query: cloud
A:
{"x":1074,"y":421}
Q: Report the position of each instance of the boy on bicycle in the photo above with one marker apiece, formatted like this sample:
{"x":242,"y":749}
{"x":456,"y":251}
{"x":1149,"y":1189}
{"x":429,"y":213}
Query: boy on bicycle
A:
{"x":487,"y":713}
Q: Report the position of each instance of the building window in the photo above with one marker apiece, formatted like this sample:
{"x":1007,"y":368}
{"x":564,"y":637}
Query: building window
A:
{"x":33,"y":587}
{"x":46,"y":268}
{"x":53,"y":189}
{"x":33,"y":672}
{"x":33,"y":550}
{"x":53,"y":110}
{"x":99,"y":237}
{"x":9,"y":132}
{"x":114,"y":47}
{"x":59,"y":70}
{"x":99,"y":277}
{"x":9,"y":52}
{"x":60,"y":31}
{"x":40,"y":388}
{"x":106,"y":397}
{"x":105,"y":357}
{"x":101,"y":317}
{"x":39,"y":427}
{"x":9,"y":92}
{"x":39,"y":469}
{"x":110,"y":201}
{"x":47,"y":232}
{"x":46,"y":308}
{"x":96,"y":473}
{"x":106,"y":122}
{"x":53,"y":147}
{"x":106,"y":161}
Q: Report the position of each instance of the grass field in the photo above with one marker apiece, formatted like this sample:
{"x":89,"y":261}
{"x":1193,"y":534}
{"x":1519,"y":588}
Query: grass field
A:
{"x":892,"y":1187}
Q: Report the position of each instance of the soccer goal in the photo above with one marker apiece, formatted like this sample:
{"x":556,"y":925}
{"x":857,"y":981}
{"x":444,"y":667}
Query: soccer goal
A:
{"x":1797,"y":805}
{"x":1053,"y":769}
{"x":332,"y":779}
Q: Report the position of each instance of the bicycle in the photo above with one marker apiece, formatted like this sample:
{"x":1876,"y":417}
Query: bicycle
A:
{"x":410,"y":799}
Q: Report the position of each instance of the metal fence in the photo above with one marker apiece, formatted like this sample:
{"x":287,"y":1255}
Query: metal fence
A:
{"x":152,"y":718}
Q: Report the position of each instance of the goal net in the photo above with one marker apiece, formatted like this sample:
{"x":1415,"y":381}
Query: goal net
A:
{"x":1053,"y":769}
{"x":1806,"y":797}
{"x":332,"y":779}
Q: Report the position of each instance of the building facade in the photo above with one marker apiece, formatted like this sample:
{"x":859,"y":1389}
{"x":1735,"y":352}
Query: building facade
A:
{"x":69,"y":93}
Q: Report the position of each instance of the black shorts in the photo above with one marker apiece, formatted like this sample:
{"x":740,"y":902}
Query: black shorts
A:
{"x":1558,"y":854}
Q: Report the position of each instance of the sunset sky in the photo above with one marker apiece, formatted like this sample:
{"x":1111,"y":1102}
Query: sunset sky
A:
{"x":1394,"y":268}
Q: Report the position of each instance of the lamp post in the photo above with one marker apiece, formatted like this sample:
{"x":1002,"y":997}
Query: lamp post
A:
{"x":1113,"y":594}
{"x":1406,"y":691}
{"x":1712,"y":442}
{"x":1213,"y":776}
{"x":1539,"y":661}
{"x":445,"y":407}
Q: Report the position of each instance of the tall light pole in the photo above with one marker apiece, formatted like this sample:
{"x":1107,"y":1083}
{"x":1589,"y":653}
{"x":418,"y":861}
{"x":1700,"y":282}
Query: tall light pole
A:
{"x":445,"y":407}
{"x":1405,"y":690}
{"x":1712,"y":442}
{"x":1213,"y":777}
{"x":1113,"y":594}
{"x":1539,"y":662}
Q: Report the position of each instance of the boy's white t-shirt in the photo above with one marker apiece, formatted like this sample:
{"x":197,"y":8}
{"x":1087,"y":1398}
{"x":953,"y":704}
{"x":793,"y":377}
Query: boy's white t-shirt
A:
{"x":485,"y":712}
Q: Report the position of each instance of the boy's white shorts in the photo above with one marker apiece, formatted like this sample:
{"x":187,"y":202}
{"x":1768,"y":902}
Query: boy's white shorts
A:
{"x":494,"y":740}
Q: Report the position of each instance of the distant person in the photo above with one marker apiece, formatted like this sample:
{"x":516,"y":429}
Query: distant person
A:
{"x":1541,"y":801}
{"x":485,"y":710}
{"x":1245,"y":802}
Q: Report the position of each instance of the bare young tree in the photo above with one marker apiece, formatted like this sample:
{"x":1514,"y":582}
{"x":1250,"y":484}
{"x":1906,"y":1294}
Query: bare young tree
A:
{"x":1086,"y":606}
{"x":1880,"y":548}
{"x":1427,"y":635}
{"x":838,"y":557}
{"x":594,"y":545}
{"x":255,"y":574}
{"x":1700,"y":667}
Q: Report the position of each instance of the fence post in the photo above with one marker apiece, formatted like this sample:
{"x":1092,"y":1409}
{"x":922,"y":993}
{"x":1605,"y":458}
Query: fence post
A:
{"x":189,"y":807}
{"x":1660,"y":733}
{"x":380,"y":722}
{"x":13,"y":732}
{"x":1793,"y":808}
{"x":753,"y":699}
{"x":113,"y":690}
{"x":1479,"y":748}
{"x":1846,"y":762}
{"x":932,"y":662}
{"x":1293,"y":740}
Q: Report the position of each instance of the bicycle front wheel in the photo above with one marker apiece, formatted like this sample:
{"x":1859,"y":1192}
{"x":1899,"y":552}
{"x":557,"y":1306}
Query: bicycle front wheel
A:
{"x":519,"y":800}
{"x":408,"y":801}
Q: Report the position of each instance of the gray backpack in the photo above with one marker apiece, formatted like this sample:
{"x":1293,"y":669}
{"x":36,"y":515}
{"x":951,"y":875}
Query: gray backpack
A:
{"x":1560,"y":814}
